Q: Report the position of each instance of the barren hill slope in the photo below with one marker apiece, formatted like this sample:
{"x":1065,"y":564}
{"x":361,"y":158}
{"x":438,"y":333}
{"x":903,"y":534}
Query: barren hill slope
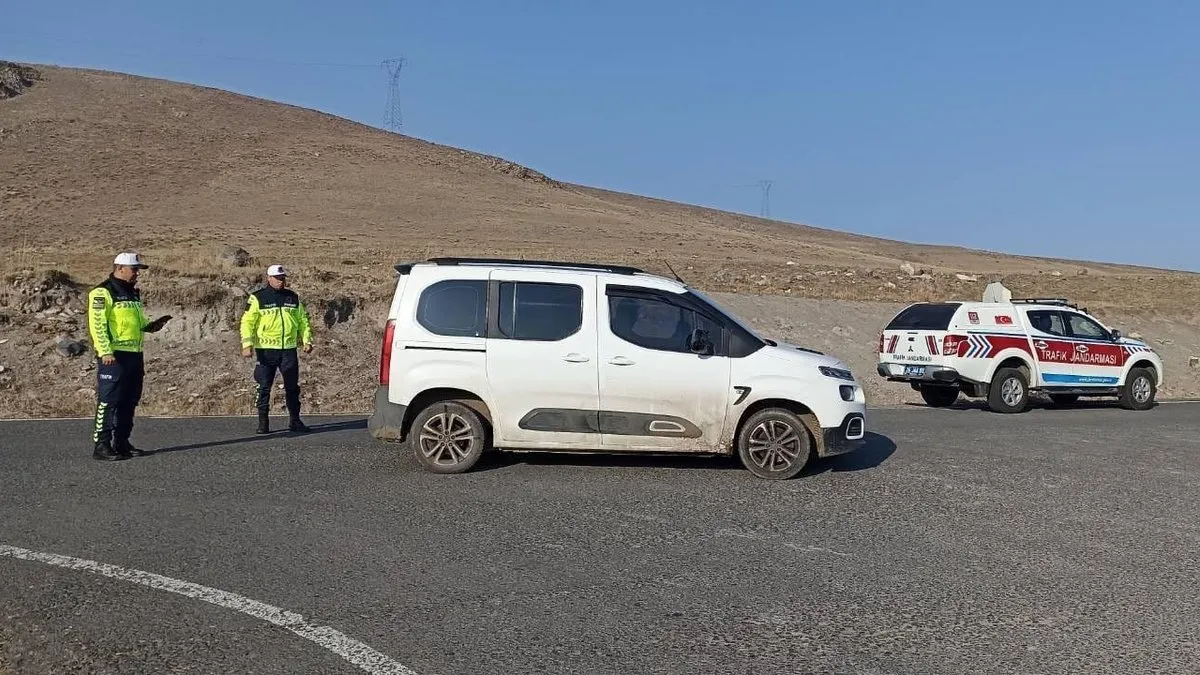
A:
{"x":92,"y":162}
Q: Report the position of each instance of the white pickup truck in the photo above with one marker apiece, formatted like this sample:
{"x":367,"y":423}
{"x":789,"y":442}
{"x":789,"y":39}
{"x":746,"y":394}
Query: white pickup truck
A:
{"x":1003,"y":349}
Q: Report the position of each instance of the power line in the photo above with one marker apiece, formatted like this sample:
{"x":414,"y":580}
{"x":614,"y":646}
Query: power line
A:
{"x":392,"y":118}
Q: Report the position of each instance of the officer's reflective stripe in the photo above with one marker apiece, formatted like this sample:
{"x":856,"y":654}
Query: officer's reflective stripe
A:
{"x":101,"y":412}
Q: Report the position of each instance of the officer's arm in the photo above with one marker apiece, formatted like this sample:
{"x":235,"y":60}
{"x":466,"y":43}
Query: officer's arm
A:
{"x":250,"y":322}
{"x":305,"y":326}
{"x":99,"y":301}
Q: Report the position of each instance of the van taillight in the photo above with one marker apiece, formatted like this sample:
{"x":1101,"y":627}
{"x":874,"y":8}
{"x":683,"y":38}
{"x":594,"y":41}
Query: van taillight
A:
{"x":385,"y":355}
{"x":954,"y":345}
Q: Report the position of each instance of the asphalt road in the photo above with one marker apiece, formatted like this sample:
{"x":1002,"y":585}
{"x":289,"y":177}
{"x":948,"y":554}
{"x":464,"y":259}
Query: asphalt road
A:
{"x":958,"y":541}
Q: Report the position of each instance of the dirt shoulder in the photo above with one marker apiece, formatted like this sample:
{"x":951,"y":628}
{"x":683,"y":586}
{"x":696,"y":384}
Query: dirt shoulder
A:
{"x":194,"y":366}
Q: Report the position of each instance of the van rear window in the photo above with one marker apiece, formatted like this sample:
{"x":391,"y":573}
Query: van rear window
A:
{"x":925,"y":316}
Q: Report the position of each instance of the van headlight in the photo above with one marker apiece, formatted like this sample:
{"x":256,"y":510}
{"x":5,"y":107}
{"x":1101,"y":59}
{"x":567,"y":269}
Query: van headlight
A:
{"x":837,"y":373}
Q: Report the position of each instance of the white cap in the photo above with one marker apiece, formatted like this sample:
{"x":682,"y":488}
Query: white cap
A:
{"x":130,"y":260}
{"x":276,"y":271}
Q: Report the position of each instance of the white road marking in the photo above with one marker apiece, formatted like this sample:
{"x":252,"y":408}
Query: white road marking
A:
{"x":351,"y":650}
{"x":816,"y":549}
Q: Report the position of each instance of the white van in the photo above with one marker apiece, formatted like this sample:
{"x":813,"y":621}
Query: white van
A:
{"x":1002,"y":349}
{"x":557,"y":356}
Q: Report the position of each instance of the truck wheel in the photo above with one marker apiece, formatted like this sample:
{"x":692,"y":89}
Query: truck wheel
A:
{"x":939,"y":397}
{"x":448,"y":437}
{"x":1139,"y":390}
{"x":774,"y":444}
{"x":1009,"y":391}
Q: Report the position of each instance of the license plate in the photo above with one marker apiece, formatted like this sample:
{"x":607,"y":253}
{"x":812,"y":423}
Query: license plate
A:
{"x":914,"y":371}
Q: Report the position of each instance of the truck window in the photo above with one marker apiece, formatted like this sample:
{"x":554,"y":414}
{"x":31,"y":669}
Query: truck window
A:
{"x":1083,"y":327}
{"x":1048,"y":322}
{"x":925,"y":316}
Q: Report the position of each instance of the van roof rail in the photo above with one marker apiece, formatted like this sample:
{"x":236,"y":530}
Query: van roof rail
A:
{"x":615,"y":269}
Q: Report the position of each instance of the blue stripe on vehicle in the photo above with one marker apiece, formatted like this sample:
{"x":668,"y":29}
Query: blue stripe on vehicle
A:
{"x":1056,"y":378}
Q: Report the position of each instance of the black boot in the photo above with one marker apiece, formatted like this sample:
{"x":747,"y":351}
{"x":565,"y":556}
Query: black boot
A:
{"x":104,"y":452}
{"x":126,"y":449}
{"x":296,"y":425}
{"x":264,"y":423}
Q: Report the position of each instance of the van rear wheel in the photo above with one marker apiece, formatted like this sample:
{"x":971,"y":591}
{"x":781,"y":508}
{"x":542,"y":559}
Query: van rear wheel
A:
{"x":774,"y":444}
{"x":448,"y":437}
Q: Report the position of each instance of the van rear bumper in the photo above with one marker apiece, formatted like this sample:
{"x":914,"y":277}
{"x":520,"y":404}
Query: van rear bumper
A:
{"x":387,"y":421}
{"x":894,"y":372}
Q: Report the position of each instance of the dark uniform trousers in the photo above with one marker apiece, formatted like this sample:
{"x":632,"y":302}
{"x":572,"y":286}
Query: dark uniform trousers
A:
{"x":118,"y":392}
{"x":285,"y":362}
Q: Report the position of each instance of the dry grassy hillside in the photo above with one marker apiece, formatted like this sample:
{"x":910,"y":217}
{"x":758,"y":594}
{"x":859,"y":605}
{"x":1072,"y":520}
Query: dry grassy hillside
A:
{"x":92,"y":162}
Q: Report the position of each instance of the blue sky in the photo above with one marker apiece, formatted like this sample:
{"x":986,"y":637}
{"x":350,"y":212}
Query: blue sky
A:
{"x":1044,"y":128}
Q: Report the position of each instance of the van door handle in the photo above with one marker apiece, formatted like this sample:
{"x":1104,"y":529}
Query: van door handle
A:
{"x":575,"y":357}
{"x":620,"y":361}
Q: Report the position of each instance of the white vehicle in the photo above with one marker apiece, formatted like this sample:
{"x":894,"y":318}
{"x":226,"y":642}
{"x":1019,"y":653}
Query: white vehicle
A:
{"x":1003,"y":349}
{"x":484,"y":353}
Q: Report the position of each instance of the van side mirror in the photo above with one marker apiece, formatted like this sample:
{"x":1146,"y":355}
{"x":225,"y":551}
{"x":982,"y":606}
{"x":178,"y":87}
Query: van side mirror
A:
{"x":699,"y":342}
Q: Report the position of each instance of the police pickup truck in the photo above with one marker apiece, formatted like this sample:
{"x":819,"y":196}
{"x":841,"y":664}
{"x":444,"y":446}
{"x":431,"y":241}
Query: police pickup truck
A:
{"x":1003,"y":348}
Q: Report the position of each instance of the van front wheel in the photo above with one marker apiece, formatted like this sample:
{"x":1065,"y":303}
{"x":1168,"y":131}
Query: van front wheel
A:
{"x":774,"y":444}
{"x":448,"y":437}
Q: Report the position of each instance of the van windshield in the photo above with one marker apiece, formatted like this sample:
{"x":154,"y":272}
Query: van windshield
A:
{"x":733,"y":318}
{"x":925,"y":316}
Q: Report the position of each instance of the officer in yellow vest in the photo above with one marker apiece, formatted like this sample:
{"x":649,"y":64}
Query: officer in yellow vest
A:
{"x":116,"y":322}
{"x":274,"y":324}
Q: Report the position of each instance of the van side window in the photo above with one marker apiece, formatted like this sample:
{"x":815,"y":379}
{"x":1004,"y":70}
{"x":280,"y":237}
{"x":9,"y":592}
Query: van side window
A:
{"x":1048,"y":322}
{"x":540,"y":311}
{"x":455,"y":308}
{"x":657,"y":324}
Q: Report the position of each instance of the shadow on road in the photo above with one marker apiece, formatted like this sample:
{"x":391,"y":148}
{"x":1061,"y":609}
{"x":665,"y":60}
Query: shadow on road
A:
{"x":876,"y":449}
{"x":873,"y":453}
{"x":281,"y":433}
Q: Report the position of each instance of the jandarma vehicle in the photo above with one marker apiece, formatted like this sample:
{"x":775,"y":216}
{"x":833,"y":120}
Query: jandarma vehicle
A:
{"x":1003,"y":348}
{"x":483,"y":353}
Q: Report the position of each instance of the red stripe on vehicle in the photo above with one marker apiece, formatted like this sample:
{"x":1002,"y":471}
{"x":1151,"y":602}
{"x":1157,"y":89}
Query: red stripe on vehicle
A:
{"x":932,"y":343}
{"x":1080,"y":353}
{"x":999,"y":343}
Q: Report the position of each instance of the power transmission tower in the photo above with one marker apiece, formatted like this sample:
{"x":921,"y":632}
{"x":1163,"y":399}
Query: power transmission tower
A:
{"x":392,"y":119}
{"x":764,"y":209}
